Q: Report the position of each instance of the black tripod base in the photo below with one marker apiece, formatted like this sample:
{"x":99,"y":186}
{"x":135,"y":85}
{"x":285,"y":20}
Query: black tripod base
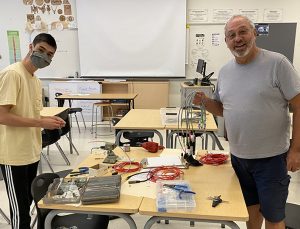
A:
{"x":191,"y":160}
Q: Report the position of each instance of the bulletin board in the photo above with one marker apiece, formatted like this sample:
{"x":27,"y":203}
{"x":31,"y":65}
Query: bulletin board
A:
{"x":30,"y":17}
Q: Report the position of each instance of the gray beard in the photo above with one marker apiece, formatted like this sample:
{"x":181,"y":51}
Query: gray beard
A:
{"x":236,"y":54}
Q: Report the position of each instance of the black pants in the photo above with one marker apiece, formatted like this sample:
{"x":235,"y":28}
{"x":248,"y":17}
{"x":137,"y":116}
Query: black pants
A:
{"x":18,"y":182}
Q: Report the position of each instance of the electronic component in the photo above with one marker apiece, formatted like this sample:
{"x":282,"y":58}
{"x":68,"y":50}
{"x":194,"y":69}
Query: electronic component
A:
{"x":111,"y":157}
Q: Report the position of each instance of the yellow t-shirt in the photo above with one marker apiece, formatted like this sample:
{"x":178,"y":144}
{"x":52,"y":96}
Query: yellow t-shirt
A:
{"x":20,"y":145}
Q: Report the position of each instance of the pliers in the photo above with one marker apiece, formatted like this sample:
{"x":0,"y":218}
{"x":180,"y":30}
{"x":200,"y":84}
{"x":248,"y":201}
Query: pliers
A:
{"x":180,"y":188}
{"x":81,"y":170}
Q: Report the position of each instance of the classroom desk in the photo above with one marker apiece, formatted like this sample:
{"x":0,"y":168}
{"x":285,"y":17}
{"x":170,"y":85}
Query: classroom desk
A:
{"x":206,"y":181}
{"x":127,"y":204}
{"x":150,"y":120}
{"x":140,"y":120}
{"x":102,"y":96}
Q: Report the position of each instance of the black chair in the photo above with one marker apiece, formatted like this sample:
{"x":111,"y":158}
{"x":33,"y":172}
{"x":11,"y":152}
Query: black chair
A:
{"x":50,"y":137}
{"x":135,"y":139}
{"x":65,"y":132}
{"x":61,"y":174}
{"x":39,"y":188}
{"x":72,"y":110}
{"x":292,"y":217}
{"x":64,"y":173}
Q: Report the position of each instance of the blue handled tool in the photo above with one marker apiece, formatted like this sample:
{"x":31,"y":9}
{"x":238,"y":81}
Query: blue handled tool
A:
{"x":81,"y":170}
{"x":180,"y":188}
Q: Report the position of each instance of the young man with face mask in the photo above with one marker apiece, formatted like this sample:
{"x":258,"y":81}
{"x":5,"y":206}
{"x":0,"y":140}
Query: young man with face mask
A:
{"x":253,"y":95}
{"x":20,"y":126}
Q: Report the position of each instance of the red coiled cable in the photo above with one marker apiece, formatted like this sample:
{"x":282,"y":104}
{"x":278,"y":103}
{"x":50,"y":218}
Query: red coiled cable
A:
{"x":120,"y":167}
{"x":164,"y":173}
{"x":213,"y":158}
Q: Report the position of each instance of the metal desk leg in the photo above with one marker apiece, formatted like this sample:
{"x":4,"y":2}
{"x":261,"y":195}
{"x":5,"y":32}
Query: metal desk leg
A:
{"x":213,"y":139}
{"x":124,"y":216}
{"x":218,"y":142}
{"x":211,"y":134}
{"x":153,"y":220}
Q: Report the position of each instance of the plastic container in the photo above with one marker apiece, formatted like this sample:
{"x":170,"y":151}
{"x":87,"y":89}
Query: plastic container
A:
{"x":66,"y":190}
{"x":169,"y":115}
{"x":170,"y":200}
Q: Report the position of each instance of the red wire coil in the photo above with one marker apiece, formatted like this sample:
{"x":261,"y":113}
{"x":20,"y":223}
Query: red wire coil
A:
{"x":213,"y":158}
{"x":120,"y":167}
{"x":164,"y":173}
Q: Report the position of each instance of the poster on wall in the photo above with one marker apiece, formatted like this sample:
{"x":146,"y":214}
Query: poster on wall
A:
{"x":273,"y":15}
{"x":13,"y":39}
{"x":45,"y":15}
{"x":198,"y":15}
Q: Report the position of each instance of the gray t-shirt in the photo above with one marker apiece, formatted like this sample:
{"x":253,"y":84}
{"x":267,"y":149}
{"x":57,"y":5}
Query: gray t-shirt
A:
{"x":255,"y":101}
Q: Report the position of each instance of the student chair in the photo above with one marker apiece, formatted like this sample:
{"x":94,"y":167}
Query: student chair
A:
{"x":64,"y":131}
{"x":97,"y":107}
{"x":61,"y":174}
{"x":135,"y":139}
{"x":72,"y":110}
{"x":39,"y":188}
{"x":50,"y":137}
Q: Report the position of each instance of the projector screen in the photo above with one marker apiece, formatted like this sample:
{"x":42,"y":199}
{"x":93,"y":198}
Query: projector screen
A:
{"x":132,"y":38}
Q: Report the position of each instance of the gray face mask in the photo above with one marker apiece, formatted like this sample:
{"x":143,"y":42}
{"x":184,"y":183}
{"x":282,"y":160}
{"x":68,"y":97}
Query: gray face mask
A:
{"x":39,"y":59}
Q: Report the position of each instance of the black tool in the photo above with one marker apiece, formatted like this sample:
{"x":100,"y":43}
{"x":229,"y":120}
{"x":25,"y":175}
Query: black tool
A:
{"x":216,"y":200}
{"x":206,"y":80}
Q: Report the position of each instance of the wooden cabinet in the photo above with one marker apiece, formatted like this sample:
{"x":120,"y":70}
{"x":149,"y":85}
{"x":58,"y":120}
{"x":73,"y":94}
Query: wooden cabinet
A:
{"x":119,"y":107}
{"x":151,"y":94}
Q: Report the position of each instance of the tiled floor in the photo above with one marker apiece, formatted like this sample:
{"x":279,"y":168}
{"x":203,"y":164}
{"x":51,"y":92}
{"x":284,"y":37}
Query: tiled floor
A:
{"x":84,"y":143}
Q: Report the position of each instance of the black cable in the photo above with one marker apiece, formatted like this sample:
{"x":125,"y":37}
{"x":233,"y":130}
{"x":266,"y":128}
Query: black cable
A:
{"x":138,"y":181}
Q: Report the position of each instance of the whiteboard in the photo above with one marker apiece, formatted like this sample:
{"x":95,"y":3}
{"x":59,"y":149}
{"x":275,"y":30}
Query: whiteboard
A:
{"x":132,"y":38}
{"x":76,"y":87}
